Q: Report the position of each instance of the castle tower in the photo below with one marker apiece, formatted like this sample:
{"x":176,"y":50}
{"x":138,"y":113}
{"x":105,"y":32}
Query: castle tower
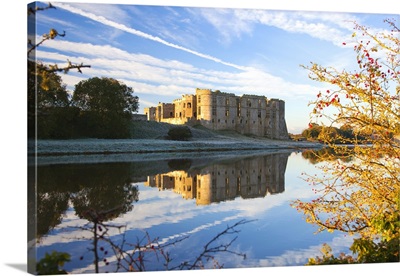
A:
{"x":276,"y":123}
{"x":204,"y":106}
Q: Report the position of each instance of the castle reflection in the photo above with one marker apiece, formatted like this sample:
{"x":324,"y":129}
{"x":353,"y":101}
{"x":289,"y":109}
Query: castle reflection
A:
{"x":251,"y":177}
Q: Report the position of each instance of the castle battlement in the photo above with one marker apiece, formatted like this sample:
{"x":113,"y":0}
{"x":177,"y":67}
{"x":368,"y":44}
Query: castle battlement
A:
{"x":247,"y":114}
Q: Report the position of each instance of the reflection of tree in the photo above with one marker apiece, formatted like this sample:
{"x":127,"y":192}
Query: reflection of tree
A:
{"x":135,"y":255}
{"x":53,"y":193}
{"x":99,"y":188}
{"x":327,"y":154}
{"x":105,"y":187}
{"x":49,"y":210}
{"x":100,"y":193}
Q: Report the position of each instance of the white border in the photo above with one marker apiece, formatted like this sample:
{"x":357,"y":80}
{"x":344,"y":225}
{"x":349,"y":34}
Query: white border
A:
{"x":13,"y":123}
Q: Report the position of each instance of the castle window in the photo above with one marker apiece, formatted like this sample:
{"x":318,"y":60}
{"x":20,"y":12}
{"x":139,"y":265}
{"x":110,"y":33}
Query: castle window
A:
{"x":226,"y":113}
{"x":184,"y":105}
{"x":189,"y":105}
{"x":199,"y":99}
{"x":199,"y":110}
{"x":233,"y":121}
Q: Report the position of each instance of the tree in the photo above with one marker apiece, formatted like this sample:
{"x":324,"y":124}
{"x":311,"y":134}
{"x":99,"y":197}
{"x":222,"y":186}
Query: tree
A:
{"x":48,"y":113}
{"x":362,"y":196}
{"x":312,"y":132}
{"x":106,"y":105}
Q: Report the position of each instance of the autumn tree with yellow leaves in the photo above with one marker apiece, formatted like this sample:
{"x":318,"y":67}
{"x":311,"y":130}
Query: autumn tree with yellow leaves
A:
{"x":360,"y":197}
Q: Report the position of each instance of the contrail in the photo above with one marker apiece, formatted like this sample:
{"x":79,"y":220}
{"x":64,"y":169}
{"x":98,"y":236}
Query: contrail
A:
{"x":122,"y":27}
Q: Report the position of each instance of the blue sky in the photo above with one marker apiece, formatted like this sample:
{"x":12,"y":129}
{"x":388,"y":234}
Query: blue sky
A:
{"x":163,"y":51}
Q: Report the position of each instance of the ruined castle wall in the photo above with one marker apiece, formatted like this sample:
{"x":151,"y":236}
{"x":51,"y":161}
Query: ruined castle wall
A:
{"x":166,"y":110}
{"x":276,"y":123}
{"x":150,"y":112}
{"x":251,"y":115}
{"x":224,"y":109}
{"x":247,"y":114}
{"x":185,"y":107}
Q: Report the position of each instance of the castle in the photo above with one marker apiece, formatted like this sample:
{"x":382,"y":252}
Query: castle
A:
{"x":216,"y":110}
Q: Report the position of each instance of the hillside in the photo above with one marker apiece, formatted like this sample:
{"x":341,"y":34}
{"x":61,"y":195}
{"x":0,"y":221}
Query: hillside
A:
{"x":156,"y":130}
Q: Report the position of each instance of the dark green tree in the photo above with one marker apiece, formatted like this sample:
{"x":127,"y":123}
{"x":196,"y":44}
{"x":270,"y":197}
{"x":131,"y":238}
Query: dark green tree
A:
{"x":106,"y":107}
{"x":49,"y":109}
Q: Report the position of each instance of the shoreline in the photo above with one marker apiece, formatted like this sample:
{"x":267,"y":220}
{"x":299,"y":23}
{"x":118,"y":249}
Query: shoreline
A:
{"x":152,"y":146}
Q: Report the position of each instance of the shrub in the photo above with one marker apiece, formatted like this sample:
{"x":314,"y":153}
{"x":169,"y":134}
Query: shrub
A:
{"x":180,"y":133}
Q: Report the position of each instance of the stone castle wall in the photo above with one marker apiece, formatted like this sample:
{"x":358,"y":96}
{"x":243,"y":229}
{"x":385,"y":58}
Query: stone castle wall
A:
{"x":247,"y":114}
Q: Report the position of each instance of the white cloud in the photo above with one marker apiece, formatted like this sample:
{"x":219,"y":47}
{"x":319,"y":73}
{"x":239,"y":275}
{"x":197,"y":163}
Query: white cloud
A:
{"x":149,"y":75}
{"x":332,"y":27}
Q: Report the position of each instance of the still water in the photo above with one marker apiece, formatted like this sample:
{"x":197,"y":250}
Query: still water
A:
{"x":177,"y":205}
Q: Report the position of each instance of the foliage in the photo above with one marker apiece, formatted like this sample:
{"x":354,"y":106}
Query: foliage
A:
{"x":106,"y":106}
{"x":361,"y":196}
{"x":337,"y":135}
{"x":43,"y":69}
{"x":364,"y":251}
{"x":51,"y":264}
{"x":180,"y":133}
{"x":48,"y":105}
{"x":49,"y":115}
{"x":329,"y":258}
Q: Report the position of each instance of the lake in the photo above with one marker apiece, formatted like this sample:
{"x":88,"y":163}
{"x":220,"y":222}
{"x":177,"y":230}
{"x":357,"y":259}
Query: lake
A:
{"x":163,"y":210}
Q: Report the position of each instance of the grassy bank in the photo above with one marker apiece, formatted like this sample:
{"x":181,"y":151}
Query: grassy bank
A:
{"x":149,"y":138}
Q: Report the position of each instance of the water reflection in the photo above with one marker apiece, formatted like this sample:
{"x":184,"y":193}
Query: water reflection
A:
{"x":246,"y":178}
{"x":108,"y":187}
{"x":172,"y":198}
